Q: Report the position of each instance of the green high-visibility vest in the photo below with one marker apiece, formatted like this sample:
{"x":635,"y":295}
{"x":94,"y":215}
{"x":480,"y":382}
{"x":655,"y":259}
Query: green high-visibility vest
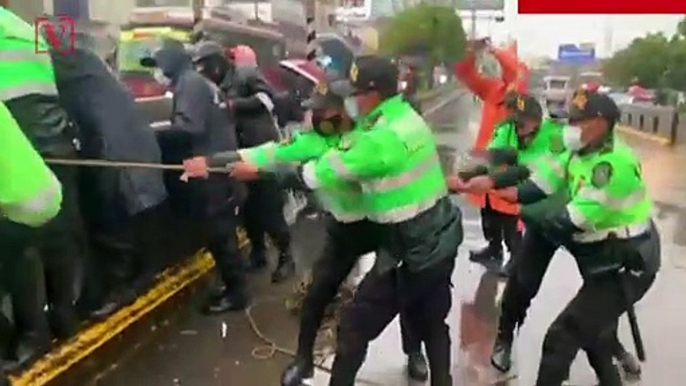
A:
{"x":607,"y":193}
{"x":547,"y":141}
{"x":25,"y":65}
{"x":341,"y":199}
{"x":30,"y":193}
{"x":395,"y":161}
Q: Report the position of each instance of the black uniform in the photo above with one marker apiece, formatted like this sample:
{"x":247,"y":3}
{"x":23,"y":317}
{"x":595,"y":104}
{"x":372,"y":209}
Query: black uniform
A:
{"x":199,"y":117}
{"x":253,"y":106}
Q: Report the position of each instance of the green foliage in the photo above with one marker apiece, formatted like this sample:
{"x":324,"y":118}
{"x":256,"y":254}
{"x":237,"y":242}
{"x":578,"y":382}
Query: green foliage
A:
{"x":645,"y":58}
{"x":656,"y":60}
{"x":426,"y":30}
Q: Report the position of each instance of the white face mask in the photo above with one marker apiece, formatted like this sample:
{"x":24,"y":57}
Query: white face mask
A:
{"x":161,"y":78}
{"x":571,"y":137}
{"x":351,"y":107}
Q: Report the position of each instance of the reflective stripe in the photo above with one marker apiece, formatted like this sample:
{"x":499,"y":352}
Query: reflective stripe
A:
{"x":390,"y":183}
{"x":245,"y":156}
{"x":346,"y":217}
{"x":28,"y":88}
{"x":24,"y":56}
{"x":542,"y":180}
{"x":624,"y":232}
{"x":309,"y":175}
{"x":577,"y":217}
{"x":408,"y":211}
{"x":266,"y":100}
{"x":39,"y":209}
{"x":613,"y":203}
{"x":338,"y":165}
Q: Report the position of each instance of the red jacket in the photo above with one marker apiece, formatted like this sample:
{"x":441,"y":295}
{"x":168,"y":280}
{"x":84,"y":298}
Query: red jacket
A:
{"x":515,"y":76}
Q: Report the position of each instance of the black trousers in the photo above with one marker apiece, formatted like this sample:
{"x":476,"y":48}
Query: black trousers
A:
{"x":500,"y":227}
{"x":219,"y":206}
{"x":532,"y":262}
{"x":263,"y":214}
{"x":523,"y":285}
{"x":59,"y":246}
{"x":345,"y":243}
{"x":589,"y":322}
{"x":423,"y":297}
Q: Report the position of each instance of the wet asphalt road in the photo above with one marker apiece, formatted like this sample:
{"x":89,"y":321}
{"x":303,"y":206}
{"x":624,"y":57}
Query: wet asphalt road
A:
{"x":195,"y":350}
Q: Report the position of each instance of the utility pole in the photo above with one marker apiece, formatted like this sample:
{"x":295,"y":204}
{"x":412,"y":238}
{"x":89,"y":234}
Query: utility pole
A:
{"x":310,"y":15}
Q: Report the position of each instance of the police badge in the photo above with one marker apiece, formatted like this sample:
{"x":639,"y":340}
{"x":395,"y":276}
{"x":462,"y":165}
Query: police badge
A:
{"x":602,"y":173}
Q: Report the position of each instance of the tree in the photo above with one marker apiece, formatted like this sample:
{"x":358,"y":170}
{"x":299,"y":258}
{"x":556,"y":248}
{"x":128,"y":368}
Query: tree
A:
{"x":645,"y":58}
{"x":432,"y":31}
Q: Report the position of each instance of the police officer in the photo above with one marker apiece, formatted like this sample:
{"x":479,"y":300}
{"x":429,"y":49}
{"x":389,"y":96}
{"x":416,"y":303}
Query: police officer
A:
{"x":200,"y":119}
{"x":252,"y":102}
{"x":28,"y":89}
{"x":30,"y":194}
{"x":332,"y":128}
{"x":395,"y":162}
{"x":604,"y":221}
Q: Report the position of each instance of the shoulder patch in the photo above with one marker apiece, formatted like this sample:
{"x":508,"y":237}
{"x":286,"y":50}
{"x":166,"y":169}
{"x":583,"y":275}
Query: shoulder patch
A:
{"x":602,"y":173}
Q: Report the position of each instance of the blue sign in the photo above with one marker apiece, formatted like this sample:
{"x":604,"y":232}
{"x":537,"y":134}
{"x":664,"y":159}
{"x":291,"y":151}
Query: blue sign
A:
{"x":570,"y":53}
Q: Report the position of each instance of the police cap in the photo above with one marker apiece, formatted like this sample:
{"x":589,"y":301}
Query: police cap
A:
{"x":322,"y":96}
{"x":526,"y":106}
{"x":368,"y":73}
{"x":591,"y":104}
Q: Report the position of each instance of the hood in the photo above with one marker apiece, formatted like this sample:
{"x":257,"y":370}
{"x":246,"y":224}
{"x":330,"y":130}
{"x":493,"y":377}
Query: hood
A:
{"x":172,"y":59}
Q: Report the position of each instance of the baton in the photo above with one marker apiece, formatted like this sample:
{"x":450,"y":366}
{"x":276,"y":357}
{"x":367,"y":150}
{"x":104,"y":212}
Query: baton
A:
{"x":633,"y":321}
{"x":125,"y":164}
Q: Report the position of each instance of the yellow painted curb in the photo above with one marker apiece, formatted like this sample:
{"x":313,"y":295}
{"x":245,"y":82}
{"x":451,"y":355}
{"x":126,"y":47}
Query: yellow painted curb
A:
{"x":169,"y":283}
{"x":647,"y":136}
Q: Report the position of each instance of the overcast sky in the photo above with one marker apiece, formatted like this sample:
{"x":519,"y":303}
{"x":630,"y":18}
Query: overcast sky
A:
{"x":541,"y":34}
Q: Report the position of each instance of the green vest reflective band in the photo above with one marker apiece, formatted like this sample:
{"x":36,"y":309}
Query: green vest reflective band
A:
{"x":416,"y":184}
{"x":29,"y":192}
{"x":549,"y":172}
{"x":23,"y":70}
{"x":343,"y":200}
{"x":302,"y":147}
{"x":608,"y":194}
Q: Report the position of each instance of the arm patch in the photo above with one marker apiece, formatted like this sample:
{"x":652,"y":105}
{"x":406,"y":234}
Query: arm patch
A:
{"x":602,"y":174}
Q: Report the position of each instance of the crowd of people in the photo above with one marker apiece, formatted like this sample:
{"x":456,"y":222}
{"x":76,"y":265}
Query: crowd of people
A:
{"x":81,"y":242}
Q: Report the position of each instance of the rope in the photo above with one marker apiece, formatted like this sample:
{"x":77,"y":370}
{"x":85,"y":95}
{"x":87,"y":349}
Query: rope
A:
{"x":270,"y":348}
{"x":125,"y":164}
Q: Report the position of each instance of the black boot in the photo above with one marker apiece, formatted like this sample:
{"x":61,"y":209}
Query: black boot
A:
{"x":491,"y":253}
{"x":236,"y":300}
{"x":297,"y":372}
{"x":501,"y":358}
{"x":506,"y":269}
{"x":417,"y":367}
{"x":285,"y":268}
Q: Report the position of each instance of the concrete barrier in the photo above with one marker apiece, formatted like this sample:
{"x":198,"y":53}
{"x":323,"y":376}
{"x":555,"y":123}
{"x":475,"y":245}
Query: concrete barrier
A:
{"x":657,"y":123}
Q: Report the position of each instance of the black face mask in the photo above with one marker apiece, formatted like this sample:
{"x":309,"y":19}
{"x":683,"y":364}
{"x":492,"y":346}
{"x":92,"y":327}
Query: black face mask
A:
{"x":326,"y":126}
{"x":215,"y":68}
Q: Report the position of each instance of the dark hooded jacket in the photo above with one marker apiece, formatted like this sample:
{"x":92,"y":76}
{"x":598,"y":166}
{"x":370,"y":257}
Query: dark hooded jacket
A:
{"x":198,"y":108}
{"x":109,"y":128}
{"x":253,"y":105}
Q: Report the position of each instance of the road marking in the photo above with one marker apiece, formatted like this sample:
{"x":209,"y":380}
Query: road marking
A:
{"x":643,"y":135}
{"x":160,"y":124}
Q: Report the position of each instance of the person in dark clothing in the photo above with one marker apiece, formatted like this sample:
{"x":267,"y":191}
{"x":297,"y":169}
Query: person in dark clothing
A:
{"x":116,"y":202}
{"x":251,"y":101}
{"x":199,"y":117}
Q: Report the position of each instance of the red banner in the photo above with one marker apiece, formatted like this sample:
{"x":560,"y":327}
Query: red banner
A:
{"x":602,"y":6}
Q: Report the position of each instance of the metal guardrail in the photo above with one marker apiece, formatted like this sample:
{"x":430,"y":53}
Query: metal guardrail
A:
{"x":659,"y":123}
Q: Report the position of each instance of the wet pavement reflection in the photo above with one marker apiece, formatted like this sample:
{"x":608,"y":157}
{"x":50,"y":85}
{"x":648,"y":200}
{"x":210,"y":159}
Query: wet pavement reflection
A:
{"x":195,"y":350}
